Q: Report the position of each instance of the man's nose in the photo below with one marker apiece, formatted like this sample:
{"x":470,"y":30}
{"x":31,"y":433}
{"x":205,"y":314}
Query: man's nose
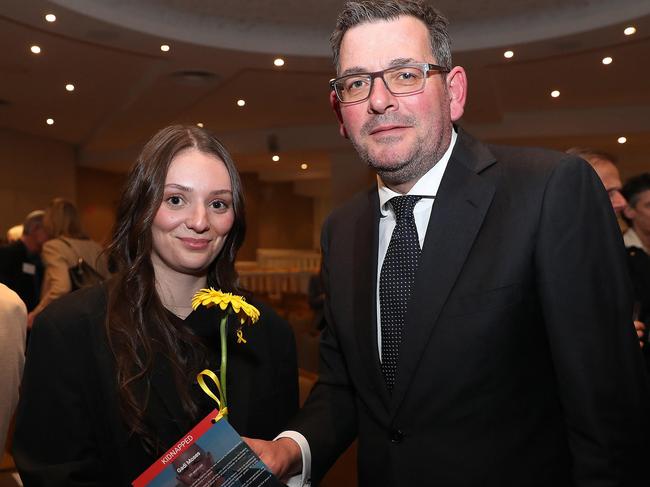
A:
{"x":381,"y":99}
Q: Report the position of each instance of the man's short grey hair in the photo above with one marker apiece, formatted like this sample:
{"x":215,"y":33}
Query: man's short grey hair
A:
{"x":591,"y":155}
{"x":33,"y":221}
{"x":355,"y":13}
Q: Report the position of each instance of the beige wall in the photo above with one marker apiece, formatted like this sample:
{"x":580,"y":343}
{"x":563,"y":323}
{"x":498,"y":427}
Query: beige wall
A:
{"x":276,"y":216}
{"x":98,"y":193}
{"x":33,"y":170}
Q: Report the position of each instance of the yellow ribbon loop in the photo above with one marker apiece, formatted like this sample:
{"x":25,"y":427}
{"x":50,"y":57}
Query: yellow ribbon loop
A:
{"x":223,"y":412}
{"x":240,"y":336}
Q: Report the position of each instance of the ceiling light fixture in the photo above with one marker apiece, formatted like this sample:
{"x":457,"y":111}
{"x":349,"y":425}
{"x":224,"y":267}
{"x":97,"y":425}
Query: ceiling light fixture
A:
{"x":35,"y":49}
{"x":241,"y":103}
{"x":275,"y":158}
{"x":555,"y":93}
{"x":199,"y":124}
{"x":69,"y":87}
{"x":622,"y":140}
{"x":303,"y":166}
{"x":607,"y":60}
{"x":508,"y":54}
{"x":629,"y":30}
{"x":164,"y":48}
{"x":50,"y":18}
{"x":279,"y":62}
{"x":49,"y":121}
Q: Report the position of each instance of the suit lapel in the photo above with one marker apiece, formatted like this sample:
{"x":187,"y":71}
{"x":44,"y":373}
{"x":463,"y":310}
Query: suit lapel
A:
{"x":458,"y":212}
{"x":364,"y":289}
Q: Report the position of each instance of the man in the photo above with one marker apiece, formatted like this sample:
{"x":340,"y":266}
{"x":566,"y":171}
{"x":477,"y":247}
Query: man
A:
{"x":637,"y":213}
{"x":517,"y":364}
{"x":21,"y":268}
{"x":637,"y":241}
{"x":605,"y":166}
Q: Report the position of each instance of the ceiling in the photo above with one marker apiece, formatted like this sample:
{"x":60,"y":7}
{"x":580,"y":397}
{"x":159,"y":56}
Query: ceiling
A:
{"x":126,"y":87}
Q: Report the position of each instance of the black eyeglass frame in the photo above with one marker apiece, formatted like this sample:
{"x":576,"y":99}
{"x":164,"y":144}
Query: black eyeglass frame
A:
{"x":426,"y":67}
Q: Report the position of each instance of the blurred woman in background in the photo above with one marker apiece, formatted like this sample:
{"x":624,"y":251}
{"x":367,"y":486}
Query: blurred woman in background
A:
{"x":68,"y":243}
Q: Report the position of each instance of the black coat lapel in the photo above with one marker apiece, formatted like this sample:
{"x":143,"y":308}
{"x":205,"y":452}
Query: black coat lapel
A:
{"x":458,"y":212}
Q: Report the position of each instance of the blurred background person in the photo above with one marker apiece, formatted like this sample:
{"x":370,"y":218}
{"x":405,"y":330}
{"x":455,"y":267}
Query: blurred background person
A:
{"x":637,"y":242}
{"x":127,"y":352}
{"x":21,"y":268}
{"x":637,"y":213}
{"x":605,"y":166}
{"x":67,"y":244}
{"x":14,"y":233}
{"x":13,"y":326}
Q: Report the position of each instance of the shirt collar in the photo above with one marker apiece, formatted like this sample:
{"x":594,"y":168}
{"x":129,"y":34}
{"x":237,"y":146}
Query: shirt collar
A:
{"x":426,"y":186}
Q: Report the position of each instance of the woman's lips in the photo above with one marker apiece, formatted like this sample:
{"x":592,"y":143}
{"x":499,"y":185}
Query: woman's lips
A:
{"x":195,"y":243}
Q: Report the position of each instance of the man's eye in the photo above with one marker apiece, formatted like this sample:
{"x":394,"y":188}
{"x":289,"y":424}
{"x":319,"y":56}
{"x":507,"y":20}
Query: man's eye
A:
{"x":355,"y":84}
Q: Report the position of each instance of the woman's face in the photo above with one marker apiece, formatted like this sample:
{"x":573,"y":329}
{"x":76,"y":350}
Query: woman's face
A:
{"x":195,"y":215}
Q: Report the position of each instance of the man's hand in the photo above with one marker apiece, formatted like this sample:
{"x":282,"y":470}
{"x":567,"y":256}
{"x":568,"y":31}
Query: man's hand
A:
{"x":640,"y":328}
{"x":282,"y":456}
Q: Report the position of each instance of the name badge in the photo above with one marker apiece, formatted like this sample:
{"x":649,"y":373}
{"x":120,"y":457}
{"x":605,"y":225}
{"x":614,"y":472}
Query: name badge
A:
{"x":29,"y":268}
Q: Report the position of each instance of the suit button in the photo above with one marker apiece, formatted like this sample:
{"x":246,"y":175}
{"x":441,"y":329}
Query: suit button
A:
{"x":396,"y":436}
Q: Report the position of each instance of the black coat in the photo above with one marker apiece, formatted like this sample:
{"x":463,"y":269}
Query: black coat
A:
{"x":519,"y":365}
{"x":68,"y":428}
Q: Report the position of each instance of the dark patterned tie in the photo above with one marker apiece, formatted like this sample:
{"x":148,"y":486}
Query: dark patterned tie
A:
{"x":395,"y":282}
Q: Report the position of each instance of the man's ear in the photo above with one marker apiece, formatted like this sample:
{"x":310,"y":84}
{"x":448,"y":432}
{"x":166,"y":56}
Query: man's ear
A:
{"x":457,"y":89}
{"x":336,"y":106}
{"x":628,"y":212}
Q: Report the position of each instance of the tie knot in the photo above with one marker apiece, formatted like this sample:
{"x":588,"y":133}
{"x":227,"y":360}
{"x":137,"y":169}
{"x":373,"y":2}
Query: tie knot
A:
{"x":403,"y":205}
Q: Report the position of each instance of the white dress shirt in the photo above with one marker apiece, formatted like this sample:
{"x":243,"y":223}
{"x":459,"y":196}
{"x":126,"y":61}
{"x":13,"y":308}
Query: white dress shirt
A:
{"x":427,"y":187}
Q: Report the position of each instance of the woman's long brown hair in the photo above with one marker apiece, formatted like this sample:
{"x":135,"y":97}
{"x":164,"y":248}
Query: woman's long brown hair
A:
{"x":137,"y":324}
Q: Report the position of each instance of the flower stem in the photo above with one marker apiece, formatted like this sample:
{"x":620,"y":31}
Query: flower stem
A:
{"x":224,"y":361}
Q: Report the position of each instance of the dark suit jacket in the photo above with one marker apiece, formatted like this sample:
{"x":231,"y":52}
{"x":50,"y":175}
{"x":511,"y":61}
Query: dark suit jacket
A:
{"x":519,"y":364}
{"x":13,"y":275}
{"x":68,"y":427}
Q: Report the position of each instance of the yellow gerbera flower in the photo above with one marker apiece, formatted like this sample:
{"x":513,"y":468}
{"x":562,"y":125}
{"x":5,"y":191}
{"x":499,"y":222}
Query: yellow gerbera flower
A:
{"x":211,"y":297}
{"x":245,"y":311}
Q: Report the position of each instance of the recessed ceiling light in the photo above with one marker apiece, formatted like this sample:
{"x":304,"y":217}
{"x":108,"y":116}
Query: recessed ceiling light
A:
{"x":622,"y":140}
{"x":69,"y":87}
{"x":508,"y":54}
{"x":50,"y":18}
{"x":164,"y":48}
{"x":278,"y":62}
{"x":629,"y":30}
{"x":49,"y":121}
{"x":607,"y":60}
{"x":303,"y":166}
{"x":199,"y":124}
{"x":241,"y":103}
{"x":555,"y":93}
{"x":35,"y":49}
{"x":275,"y":158}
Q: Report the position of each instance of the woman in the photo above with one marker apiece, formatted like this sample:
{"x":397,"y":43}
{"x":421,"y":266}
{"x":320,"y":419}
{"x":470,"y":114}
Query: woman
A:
{"x":67,"y":245}
{"x":110,"y":380}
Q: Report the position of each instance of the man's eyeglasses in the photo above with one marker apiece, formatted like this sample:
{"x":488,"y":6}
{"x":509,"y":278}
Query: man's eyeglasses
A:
{"x":400,"y":80}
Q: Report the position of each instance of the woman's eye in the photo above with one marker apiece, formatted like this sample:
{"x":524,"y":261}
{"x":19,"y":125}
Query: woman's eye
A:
{"x":218,"y":205}
{"x":174,"y":200}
